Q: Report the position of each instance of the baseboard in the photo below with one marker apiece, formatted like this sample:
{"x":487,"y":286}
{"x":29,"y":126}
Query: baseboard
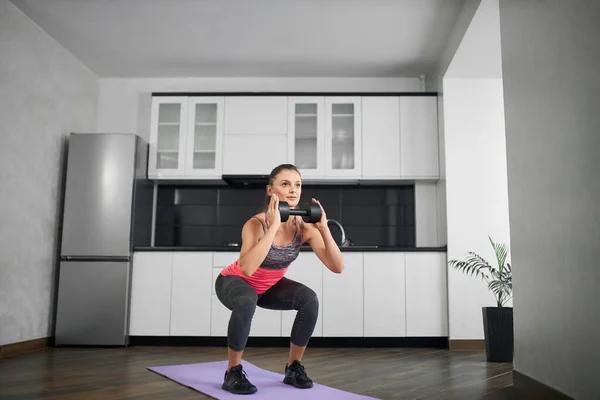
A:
{"x":531,"y":388}
{"x":428,"y":342}
{"x":467,"y":345}
{"x":15,"y":349}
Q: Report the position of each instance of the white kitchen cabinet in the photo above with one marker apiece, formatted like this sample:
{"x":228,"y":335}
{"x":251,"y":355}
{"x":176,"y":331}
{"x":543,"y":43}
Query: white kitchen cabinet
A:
{"x":306,"y":135}
{"x":266,"y":323}
{"x":168,"y":134}
{"x":256,"y":115}
{"x":384,"y":295}
{"x":204,"y":142}
{"x":308,"y":270}
{"x":223,"y":259}
{"x":253,"y":154}
{"x":150,"y":308}
{"x":326,"y":137}
{"x":343,"y":137}
{"x":190,"y":294}
{"x":419,"y":153}
{"x":343,"y":299}
{"x":256,"y":133}
{"x":426,"y":294}
{"x":186,"y":137}
{"x":379,"y":294}
{"x":381,"y":137}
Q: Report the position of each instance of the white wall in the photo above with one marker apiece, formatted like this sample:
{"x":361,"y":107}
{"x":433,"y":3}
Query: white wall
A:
{"x":435,"y":83}
{"x":440,"y":186}
{"x":475,"y":160}
{"x":551,"y":59}
{"x":479,"y":54}
{"x":477,"y":196}
{"x":124,"y":104}
{"x":461,"y":25}
{"x":45,"y":94}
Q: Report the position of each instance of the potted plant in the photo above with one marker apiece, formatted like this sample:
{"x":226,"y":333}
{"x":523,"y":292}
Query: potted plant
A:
{"x":497,"y":321}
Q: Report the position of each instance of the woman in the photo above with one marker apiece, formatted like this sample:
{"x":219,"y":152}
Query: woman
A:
{"x":257,"y":278}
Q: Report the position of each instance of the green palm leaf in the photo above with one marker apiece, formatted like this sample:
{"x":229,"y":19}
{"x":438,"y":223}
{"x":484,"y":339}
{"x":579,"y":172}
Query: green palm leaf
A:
{"x":500,"y":291}
{"x":501,"y":252}
{"x":499,"y":279}
{"x":473,"y":265}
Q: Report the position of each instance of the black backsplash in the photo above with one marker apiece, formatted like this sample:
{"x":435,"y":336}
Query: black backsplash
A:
{"x":214,"y":215}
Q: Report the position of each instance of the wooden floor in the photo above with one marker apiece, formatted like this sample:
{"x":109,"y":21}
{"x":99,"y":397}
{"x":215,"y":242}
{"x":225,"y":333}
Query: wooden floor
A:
{"x":83,"y":373}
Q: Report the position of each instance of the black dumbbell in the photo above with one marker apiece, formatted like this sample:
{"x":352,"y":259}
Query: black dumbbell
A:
{"x":310,"y":214}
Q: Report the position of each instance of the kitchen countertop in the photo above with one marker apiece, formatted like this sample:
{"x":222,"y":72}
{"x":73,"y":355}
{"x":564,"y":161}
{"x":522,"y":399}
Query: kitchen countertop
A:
{"x":355,"y":248}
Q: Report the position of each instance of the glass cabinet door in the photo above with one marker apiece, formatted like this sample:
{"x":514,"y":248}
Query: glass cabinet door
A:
{"x":204,"y":157}
{"x":343,"y":137}
{"x":306,"y":135}
{"x":167,"y":136}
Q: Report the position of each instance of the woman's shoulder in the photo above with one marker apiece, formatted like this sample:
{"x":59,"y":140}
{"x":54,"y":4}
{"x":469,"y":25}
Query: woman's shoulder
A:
{"x":256,"y":220}
{"x":259,"y":216}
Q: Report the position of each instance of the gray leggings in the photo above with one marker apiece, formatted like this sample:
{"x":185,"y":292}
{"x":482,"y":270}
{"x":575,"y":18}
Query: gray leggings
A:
{"x":239,"y":297}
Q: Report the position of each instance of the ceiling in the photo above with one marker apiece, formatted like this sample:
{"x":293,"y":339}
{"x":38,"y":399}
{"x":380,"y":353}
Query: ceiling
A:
{"x":245,"y":38}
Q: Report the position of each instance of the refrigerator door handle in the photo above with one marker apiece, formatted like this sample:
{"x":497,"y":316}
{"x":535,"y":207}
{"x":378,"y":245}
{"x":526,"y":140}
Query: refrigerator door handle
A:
{"x":96,"y":258}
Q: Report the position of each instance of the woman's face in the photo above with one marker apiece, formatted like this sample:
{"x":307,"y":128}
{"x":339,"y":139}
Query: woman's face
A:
{"x":287,"y":186}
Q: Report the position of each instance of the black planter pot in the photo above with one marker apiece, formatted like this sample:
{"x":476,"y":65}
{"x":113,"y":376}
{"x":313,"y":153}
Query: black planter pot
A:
{"x":499,"y":334}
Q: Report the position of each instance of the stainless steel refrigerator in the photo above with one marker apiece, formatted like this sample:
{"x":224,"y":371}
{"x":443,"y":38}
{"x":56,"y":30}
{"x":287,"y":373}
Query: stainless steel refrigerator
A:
{"x":106,"y":212}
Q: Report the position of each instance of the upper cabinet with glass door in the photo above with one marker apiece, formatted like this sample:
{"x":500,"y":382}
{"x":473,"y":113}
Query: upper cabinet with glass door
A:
{"x":205,"y":137}
{"x":343,"y":137}
{"x":306,"y":135}
{"x":186,"y":137}
{"x":168,"y":129}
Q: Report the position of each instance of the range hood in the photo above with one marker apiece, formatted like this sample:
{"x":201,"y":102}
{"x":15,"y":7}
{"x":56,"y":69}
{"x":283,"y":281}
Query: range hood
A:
{"x":246,"y":180}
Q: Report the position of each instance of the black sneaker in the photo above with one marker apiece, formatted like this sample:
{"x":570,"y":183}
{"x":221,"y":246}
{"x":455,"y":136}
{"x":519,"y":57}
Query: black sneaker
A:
{"x":295,"y":375}
{"x":236,"y":382}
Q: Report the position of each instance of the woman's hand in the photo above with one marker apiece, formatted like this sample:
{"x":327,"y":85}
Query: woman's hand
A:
{"x":273,"y":215}
{"x":323,"y":221}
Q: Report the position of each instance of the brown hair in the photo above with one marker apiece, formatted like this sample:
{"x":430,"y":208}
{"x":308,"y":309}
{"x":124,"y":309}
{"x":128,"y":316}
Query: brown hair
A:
{"x":272,"y":176}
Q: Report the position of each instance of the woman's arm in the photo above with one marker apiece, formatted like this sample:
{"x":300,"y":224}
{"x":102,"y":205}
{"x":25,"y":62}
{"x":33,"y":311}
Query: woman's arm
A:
{"x":325,"y":247}
{"x":254,"y":248}
{"x":323,"y":244}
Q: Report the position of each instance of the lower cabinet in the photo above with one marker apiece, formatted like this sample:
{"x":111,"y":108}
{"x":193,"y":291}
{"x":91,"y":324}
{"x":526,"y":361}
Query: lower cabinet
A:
{"x":343,"y":310}
{"x":379,"y":294}
{"x":426,"y":294}
{"x":190,"y":288}
{"x":266,"y":323}
{"x":169,"y":293}
{"x":405,"y":294}
{"x":384,"y":294}
{"x":150,"y":308}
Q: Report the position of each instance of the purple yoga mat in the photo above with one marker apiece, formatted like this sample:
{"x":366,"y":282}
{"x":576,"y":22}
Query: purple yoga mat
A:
{"x":207,"y":378}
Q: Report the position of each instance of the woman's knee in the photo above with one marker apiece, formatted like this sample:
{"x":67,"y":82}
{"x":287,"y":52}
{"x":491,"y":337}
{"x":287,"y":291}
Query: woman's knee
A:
{"x":245,"y":304}
{"x":310,"y":301}
{"x":235,"y":294}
